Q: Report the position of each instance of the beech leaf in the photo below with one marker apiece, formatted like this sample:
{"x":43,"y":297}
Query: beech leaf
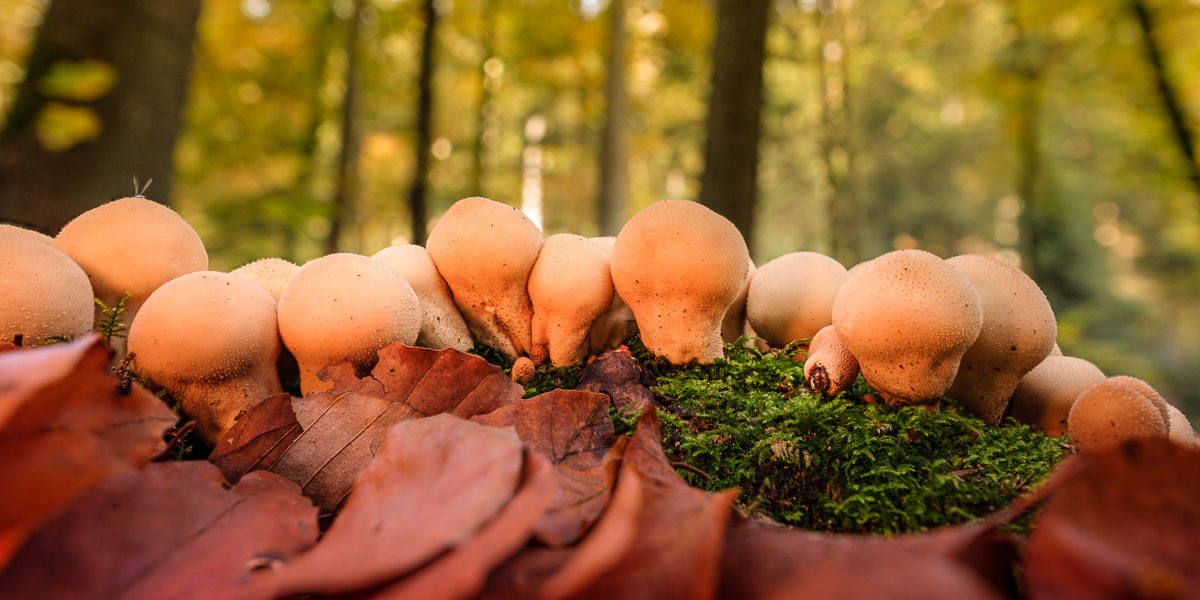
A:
{"x":620,"y":375}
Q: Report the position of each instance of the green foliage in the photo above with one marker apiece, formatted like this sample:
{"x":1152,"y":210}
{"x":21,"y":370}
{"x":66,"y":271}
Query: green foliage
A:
{"x":110,"y":324}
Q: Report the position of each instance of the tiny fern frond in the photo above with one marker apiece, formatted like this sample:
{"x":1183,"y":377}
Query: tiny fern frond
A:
{"x":110,"y":324}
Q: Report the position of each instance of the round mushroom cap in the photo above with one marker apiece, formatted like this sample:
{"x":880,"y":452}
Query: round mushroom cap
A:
{"x":830,"y":368}
{"x":131,"y":245}
{"x":44,"y":293}
{"x":271,"y":274}
{"x":679,"y":266}
{"x":1179,"y":429}
{"x":345,"y":307}
{"x":605,"y":244}
{"x":1111,"y":412}
{"x":791,"y":297}
{"x":1045,"y":394}
{"x":570,"y":287}
{"x":908,"y":317}
{"x":1018,"y":333}
{"x":442,"y":326}
{"x":29,"y":234}
{"x":1147,"y":391}
{"x":485,"y":250}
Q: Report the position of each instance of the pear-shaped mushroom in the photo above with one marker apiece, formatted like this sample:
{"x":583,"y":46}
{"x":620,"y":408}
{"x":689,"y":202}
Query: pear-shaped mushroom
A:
{"x":485,"y":251}
{"x":1045,"y":394}
{"x":1111,"y":411}
{"x":570,"y":286}
{"x":679,"y":266}
{"x":44,"y":294}
{"x":131,"y":245}
{"x":29,"y":234}
{"x":791,"y":297}
{"x":271,"y":274}
{"x":908,"y":317}
{"x":211,"y":340}
{"x":442,"y":326}
{"x":610,"y":328}
{"x":830,"y":368}
{"x":345,"y":307}
{"x":1017,"y":334}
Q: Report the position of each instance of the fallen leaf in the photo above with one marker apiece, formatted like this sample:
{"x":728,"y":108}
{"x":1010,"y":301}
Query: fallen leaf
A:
{"x":1124,"y":524}
{"x":343,"y":427}
{"x":620,"y":375}
{"x":172,"y":530}
{"x":520,"y":576}
{"x":434,"y":483}
{"x":65,"y":425}
{"x":899,"y":576}
{"x":258,"y":438}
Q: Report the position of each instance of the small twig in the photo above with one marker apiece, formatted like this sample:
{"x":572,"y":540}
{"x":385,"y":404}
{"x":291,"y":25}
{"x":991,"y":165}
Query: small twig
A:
{"x":176,"y":440}
{"x":690,"y":468}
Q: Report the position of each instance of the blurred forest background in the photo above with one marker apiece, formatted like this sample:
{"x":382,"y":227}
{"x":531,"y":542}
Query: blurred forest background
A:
{"x":1058,"y":135}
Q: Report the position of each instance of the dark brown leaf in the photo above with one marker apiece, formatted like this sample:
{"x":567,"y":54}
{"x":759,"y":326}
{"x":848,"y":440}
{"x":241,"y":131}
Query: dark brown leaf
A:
{"x":258,"y":438}
{"x":434,"y":483}
{"x":620,"y":375}
{"x":849,"y":576}
{"x":1125,"y":524}
{"x":170,"y":531}
{"x":519,"y":577}
{"x":65,"y":425}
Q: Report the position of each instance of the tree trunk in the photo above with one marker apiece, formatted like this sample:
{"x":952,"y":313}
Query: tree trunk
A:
{"x":347,"y":172}
{"x":845,"y":218}
{"x":483,"y":114}
{"x":420,"y":183}
{"x":728,"y":185}
{"x":614,"y":171}
{"x":148,"y":44}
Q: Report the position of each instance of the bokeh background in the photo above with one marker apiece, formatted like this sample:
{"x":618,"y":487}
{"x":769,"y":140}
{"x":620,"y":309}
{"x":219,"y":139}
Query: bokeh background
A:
{"x":1058,"y":135}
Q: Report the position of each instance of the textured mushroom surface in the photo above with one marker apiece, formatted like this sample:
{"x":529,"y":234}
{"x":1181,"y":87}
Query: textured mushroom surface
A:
{"x":791,"y":297}
{"x":442,"y":326}
{"x":570,"y":287}
{"x":830,"y":368}
{"x":679,"y":266}
{"x":735,"y":325}
{"x":44,"y":293}
{"x":1045,"y":394}
{"x":611,"y":327}
{"x":29,"y":234}
{"x":1111,"y":411}
{"x":271,"y":274}
{"x":1148,"y":392}
{"x":1179,"y":429}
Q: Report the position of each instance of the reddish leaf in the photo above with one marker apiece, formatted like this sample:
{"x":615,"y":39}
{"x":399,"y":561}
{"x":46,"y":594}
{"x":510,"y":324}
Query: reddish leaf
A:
{"x":900,"y":576}
{"x":6,"y":346}
{"x":435,"y":482}
{"x":258,"y":438}
{"x":620,"y":375}
{"x":170,"y":531}
{"x":524,"y":573}
{"x":65,"y":425}
{"x":1125,"y":524}
{"x":342,"y":428}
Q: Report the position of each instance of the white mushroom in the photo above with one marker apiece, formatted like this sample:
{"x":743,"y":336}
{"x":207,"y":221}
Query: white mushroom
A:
{"x":442,"y":326}
{"x":271,"y":274}
{"x":791,"y":297}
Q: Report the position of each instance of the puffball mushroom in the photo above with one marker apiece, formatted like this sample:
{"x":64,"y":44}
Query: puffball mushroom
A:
{"x":131,"y":245}
{"x":791,"y":297}
{"x":610,"y":328}
{"x":211,"y":340}
{"x":43,"y":292}
{"x":271,"y":274}
{"x":345,"y":307}
{"x":1018,"y":333}
{"x":830,"y":368}
{"x":485,"y":251}
{"x":570,"y":287}
{"x":1148,"y":392}
{"x":1179,"y":429}
{"x":442,"y":326}
{"x":679,"y":266}
{"x":733,"y":326}
{"x":29,"y":234}
{"x":908,"y":317}
{"x":1045,"y":394}
{"x":1110,"y":412}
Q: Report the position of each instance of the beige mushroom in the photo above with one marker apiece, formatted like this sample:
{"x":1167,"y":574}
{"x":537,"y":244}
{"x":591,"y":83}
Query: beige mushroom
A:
{"x":1018,"y":333}
{"x":45,"y":295}
{"x":680,"y":266}
{"x":791,"y":297}
{"x":271,"y":274}
{"x":735,"y":324}
{"x":1148,"y":392}
{"x":612,"y":327}
{"x":29,"y":234}
{"x":442,"y":326}
{"x":131,"y":245}
{"x":908,"y":317}
{"x":830,"y":368}
{"x":345,"y":307}
{"x":1110,"y":412}
{"x":523,"y":370}
{"x":1045,"y":394}
{"x":485,"y":251}
{"x":1179,"y":429}
{"x":570,"y":287}
{"x":211,"y":340}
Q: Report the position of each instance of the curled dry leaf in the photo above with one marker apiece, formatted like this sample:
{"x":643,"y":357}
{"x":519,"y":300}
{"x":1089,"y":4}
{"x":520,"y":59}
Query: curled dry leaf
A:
{"x":341,"y":429}
{"x":1125,"y":524}
{"x":173,"y":530}
{"x":65,"y":425}
{"x":620,"y":375}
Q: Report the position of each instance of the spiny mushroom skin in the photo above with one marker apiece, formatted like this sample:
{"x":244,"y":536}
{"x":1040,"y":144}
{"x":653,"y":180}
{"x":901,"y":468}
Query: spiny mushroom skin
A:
{"x":345,"y":307}
{"x":791,"y":297}
{"x":1148,"y":392}
{"x":1110,"y":412}
{"x":211,"y":340}
{"x":1018,"y":333}
{"x":1045,"y":394}
{"x":1179,"y":429}
{"x":43,"y":292}
{"x":733,"y":326}
{"x":908,"y":317}
{"x":271,"y":274}
{"x":485,"y":251}
{"x":442,"y":326}
{"x":570,"y":287}
{"x":523,"y":370}
{"x":131,"y":245}
{"x":679,"y":266}
{"x":610,"y":328}
{"x":29,"y":234}
{"x":830,"y":368}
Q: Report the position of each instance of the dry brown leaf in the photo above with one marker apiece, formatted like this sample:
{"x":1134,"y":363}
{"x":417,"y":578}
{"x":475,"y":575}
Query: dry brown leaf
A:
{"x":171,"y":531}
{"x":900,"y":576}
{"x":434,"y":483}
{"x":1124,"y":524}
{"x":258,"y":438}
{"x":342,"y":428}
{"x":520,"y":576}
{"x":65,"y":425}
{"x":620,"y":375}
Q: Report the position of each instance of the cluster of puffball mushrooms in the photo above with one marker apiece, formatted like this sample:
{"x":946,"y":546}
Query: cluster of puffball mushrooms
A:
{"x":917,"y":327}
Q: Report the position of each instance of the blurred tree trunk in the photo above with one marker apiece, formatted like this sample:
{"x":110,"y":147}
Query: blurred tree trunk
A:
{"x":483,"y":113}
{"x":845,"y":219}
{"x":420,"y":183}
{"x":320,"y":34}
{"x":1168,"y":91}
{"x":728,"y":185}
{"x":148,"y":46}
{"x":614,"y":151}
{"x":347,"y":173}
